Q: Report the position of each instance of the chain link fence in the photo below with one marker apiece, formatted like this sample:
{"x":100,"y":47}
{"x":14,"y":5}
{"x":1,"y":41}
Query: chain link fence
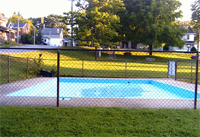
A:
{"x":87,"y":77}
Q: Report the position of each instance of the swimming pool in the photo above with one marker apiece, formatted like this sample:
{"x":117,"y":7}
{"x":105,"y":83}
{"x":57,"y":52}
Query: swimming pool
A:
{"x":106,"y":88}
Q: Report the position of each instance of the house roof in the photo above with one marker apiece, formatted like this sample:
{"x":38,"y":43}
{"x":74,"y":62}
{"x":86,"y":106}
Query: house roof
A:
{"x":66,"y":39}
{"x":15,"y":25}
{"x":190,"y":31}
{"x":21,"y":25}
{"x":8,"y":24}
{"x":5,"y":29}
{"x":2,"y":17}
{"x":190,"y":42}
{"x":2,"y":28}
{"x":52,"y":31}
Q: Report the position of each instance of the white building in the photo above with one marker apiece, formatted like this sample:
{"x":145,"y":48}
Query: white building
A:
{"x":53,"y":36}
{"x":189,"y":39}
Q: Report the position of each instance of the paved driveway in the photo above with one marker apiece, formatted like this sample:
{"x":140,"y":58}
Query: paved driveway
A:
{"x":26,"y":48}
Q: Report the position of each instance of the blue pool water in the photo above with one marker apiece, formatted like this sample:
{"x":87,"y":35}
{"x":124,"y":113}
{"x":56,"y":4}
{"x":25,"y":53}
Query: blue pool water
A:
{"x":106,"y":88}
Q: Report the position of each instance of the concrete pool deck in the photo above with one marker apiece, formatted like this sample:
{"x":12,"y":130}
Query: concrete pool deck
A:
{"x":84,"y":102}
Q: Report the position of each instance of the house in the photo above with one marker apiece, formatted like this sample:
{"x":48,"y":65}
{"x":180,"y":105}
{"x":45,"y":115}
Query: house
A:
{"x":66,"y":42}
{"x":133,"y":45}
{"x":53,"y":36}
{"x":23,"y":28}
{"x":6,"y":34}
{"x":189,"y":39}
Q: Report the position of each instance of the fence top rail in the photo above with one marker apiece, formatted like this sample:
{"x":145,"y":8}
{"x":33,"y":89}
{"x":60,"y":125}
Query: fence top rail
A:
{"x":61,"y":59}
{"x":71,"y":49}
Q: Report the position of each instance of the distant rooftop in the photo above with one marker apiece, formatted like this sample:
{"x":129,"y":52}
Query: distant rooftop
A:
{"x":2,"y":17}
{"x":190,"y":31}
{"x":51,"y":31}
{"x":21,"y":25}
{"x":15,"y":25}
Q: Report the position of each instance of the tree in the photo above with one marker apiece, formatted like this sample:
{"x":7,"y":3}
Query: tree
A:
{"x":14,"y":19}
{"x":53,"y":21}
{"x":152,"y":23}
{"x":39,"y":36}
{"x":97,"y":22}
{"x":39,"y":26}
{"x":27,"y":39}
{"x":195,"y":7}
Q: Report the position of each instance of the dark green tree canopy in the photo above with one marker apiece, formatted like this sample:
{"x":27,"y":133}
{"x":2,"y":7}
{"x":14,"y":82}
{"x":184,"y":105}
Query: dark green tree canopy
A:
{"x":26,"y":39}
{"x":152,"y":22}
{"x":97,"y":22}
{"x":51,"y":21}
{"x":195,"y":7}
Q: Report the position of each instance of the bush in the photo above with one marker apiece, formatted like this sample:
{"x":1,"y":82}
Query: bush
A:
{"x":193,"y":49}
{"x":26,"y":39}
{"x":35,"y":70}
{"x":7,"y":42}
{"x":127,"y":54}
{"x":14,"y":42}
{"x":54,"y":71}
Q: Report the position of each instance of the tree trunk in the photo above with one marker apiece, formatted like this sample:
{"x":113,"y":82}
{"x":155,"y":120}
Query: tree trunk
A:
{"x":150,"y":49}
{"x":95,"y":53}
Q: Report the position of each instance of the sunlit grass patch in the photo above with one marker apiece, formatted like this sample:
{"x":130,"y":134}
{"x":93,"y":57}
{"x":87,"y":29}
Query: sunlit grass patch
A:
{"x":98,"y":121}
{"x":35,"y":55}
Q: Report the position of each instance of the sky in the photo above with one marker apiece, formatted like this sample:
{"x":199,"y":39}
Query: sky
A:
{"x":42,"y":8}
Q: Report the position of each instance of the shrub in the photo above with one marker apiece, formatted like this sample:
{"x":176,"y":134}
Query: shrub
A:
{"x":14,"y":42}
{"x":193,"y":49}
{"x":7,"y":42}
{"x":35,"y":70}
{"x":26,"y":39}
{"x":54,"y":71}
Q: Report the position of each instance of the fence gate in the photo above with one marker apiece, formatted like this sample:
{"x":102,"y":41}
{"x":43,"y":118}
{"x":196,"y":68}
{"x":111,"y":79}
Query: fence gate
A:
{"x":172,"y":68}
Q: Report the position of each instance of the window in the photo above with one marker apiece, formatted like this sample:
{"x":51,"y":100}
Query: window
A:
{"x":188,"y":36}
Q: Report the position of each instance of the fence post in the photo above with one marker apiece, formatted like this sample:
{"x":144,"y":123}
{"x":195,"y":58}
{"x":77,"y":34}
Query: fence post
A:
{"x":27,"y":68}
{"x":95,"y":52}
{"x":82,"y":67}
{"x":191,"y":69}
{"x":8,"y":68}
{"x":176,"y":70}
{"x":168,"y":69}
{"x":125,"y":68}
{"x":196,"y":80}
{"x":58,"y":74}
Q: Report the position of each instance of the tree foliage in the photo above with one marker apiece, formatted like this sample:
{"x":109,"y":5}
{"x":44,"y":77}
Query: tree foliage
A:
{"x":26,"y":39}
{"x":39,"y":26}
{"x":152,"y":23}
{"x":195,"y":7}
{"x":53,"y":21}
{"x":98,"y":21}
{"x":14,"y":19}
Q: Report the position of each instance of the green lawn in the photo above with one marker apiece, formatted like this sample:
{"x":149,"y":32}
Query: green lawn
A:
{"x":82,"y":63}
{"x":10,"y":45}
{"x":98,"y":121}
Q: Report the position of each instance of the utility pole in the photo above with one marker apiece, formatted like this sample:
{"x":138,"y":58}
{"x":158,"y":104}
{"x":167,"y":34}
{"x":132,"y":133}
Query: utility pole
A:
{"x":18,"y":31}
{"x":34,"y":36}
{"x":72,"y":24}
{"x":198,"y":42}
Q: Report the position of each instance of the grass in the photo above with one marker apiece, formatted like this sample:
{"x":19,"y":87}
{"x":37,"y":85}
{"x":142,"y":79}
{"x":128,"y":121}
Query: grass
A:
{"x":82,"y":63}
{"x":10,"y":45}
{"x":17,"y":69}
{"x":98,"y":121}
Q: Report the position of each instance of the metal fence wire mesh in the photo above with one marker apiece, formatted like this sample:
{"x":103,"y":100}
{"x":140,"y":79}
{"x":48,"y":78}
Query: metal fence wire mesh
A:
{"x":85,"y":77}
